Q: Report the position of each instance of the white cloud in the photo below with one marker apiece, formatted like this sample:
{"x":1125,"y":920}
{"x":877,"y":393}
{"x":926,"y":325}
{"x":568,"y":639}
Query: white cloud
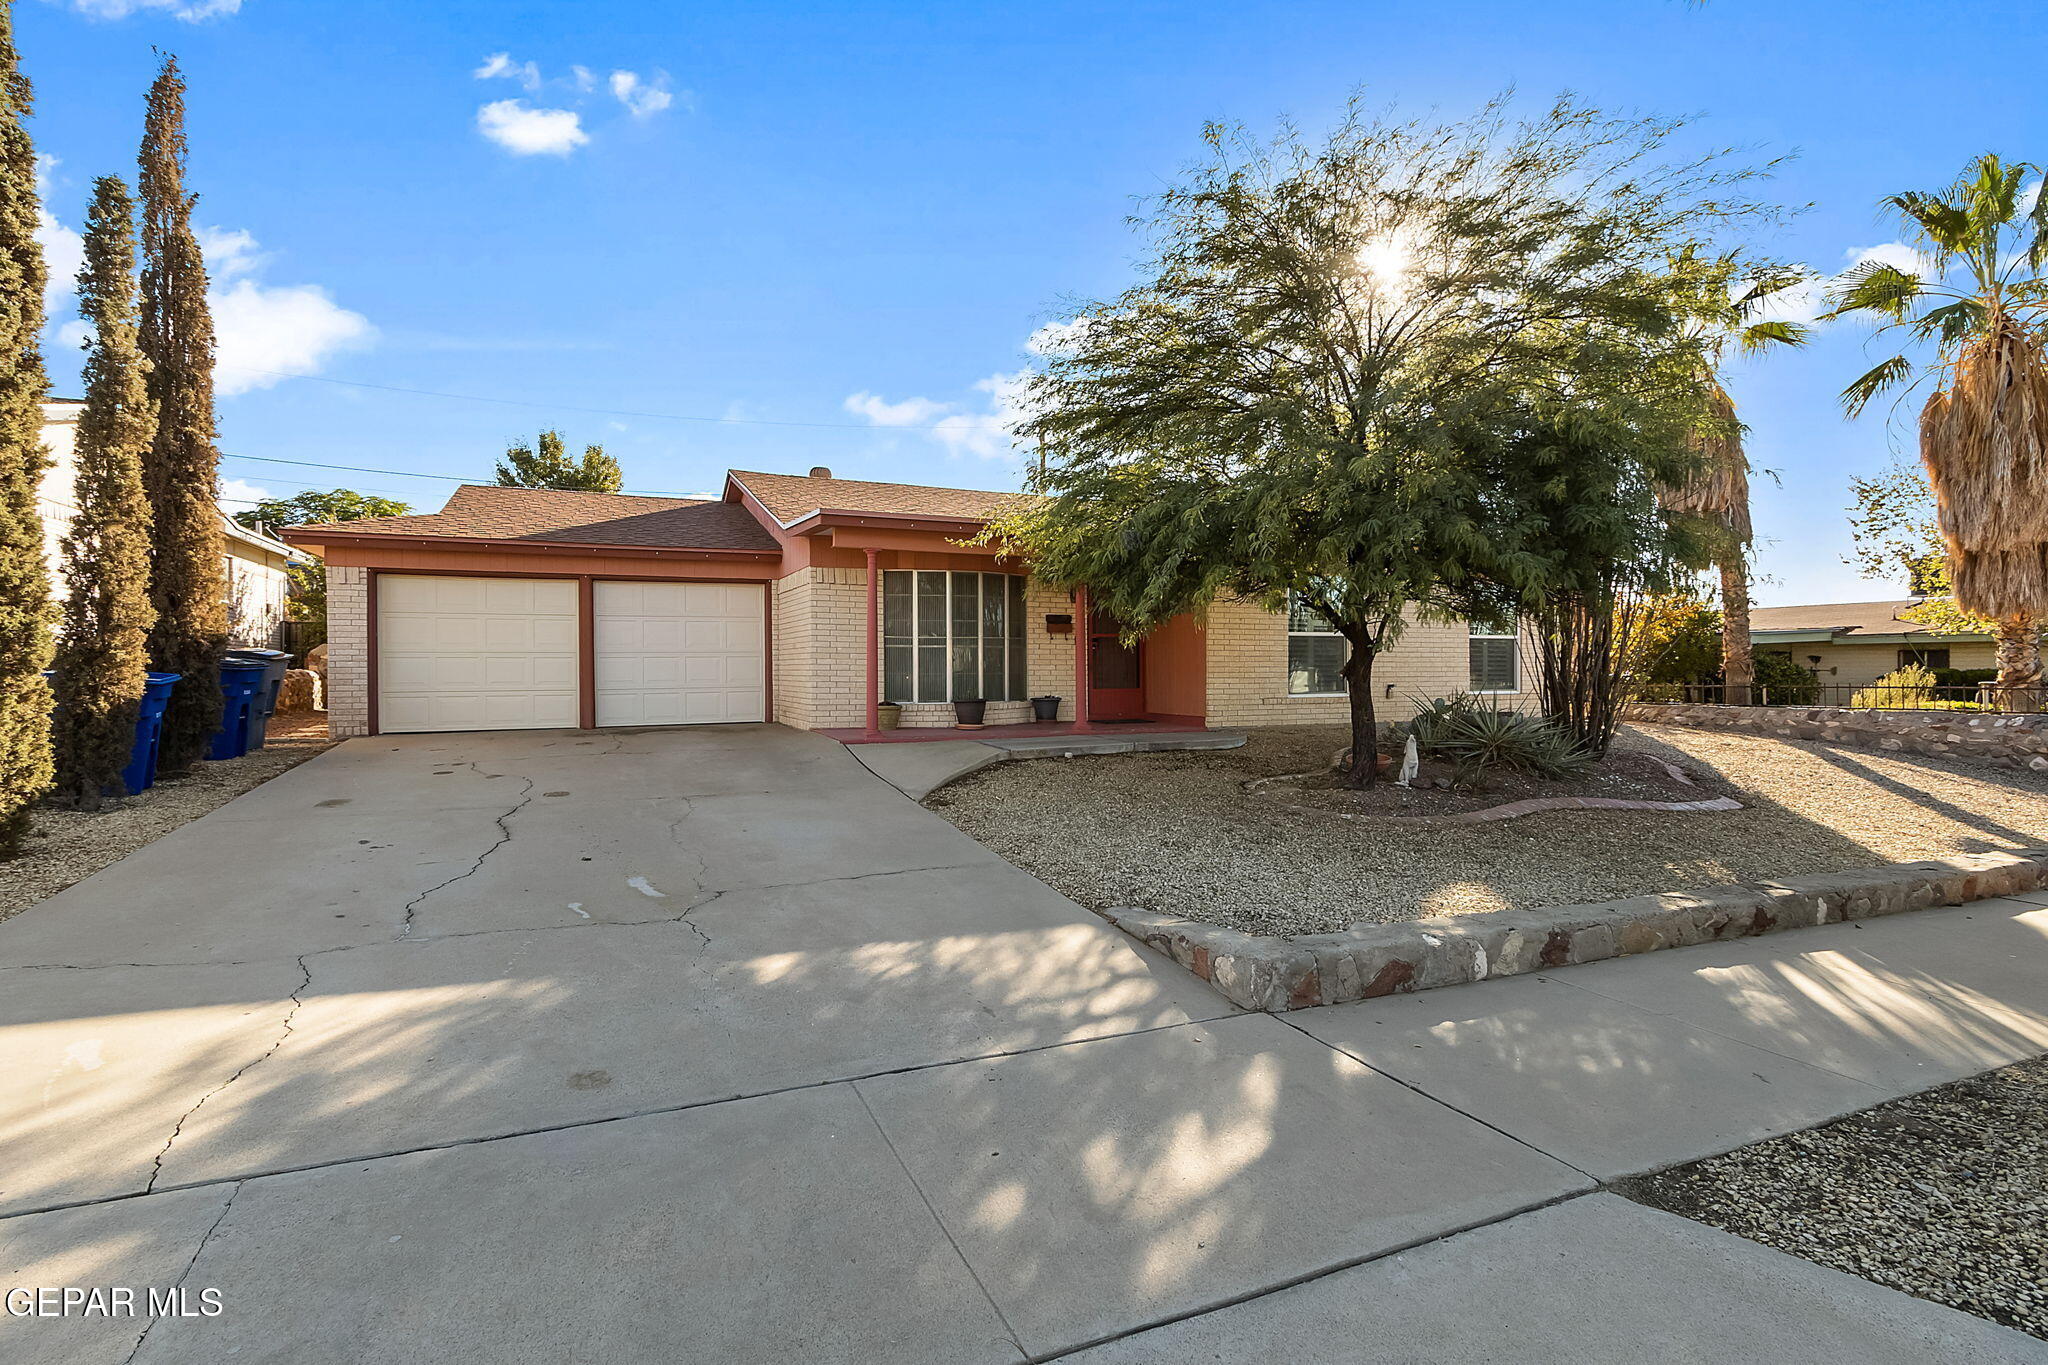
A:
{"x":526,"y":131}
{"x":500,"y":64}
{"x":642,"y":98}
{"x":1056,"y":336}
{"x":240,"y":494}
{"x":191,"y":11}
{"x":983,"y":434}
{"x":229,"y":253}
{"x":911,"y":412}
{"x":264,"y":333}
{"x":63,"y":249}
{"x":73,"y":335}
{"x":585,"y":78}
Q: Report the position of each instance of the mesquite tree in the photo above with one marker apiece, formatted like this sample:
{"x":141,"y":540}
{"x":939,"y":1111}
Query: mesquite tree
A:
{"x":24,"y":578}
{"x":103,"y":650}
{"x":1309,"y":391}
{"x":187,"y":586}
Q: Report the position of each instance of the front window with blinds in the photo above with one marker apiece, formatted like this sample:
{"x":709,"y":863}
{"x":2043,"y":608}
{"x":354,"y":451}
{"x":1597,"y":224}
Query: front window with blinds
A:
{"x":1315,"y":653}
{"x":1492,"y":655}
{"x":952,"y":636}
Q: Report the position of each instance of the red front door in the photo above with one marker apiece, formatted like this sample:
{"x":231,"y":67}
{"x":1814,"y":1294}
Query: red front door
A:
{"x":1116,"y":673}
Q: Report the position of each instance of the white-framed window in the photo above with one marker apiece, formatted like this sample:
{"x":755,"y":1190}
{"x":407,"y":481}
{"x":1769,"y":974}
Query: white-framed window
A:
{"x":1493,"y":659}
{"x":1315,"y":653}
{"x":952,"y":636}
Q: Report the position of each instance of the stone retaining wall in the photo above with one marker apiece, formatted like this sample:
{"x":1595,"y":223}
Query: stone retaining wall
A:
{"x":1371,"y":960}
{"x":2008,"y":741}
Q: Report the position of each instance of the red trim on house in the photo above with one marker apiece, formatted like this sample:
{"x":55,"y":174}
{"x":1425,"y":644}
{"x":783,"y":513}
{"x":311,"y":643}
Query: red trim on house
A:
{"x":371,"y":671}
{"x":875,"y":645}
{"x":1081,"y":639}
{"x":321,"y":539}
{"x":826,"y":519}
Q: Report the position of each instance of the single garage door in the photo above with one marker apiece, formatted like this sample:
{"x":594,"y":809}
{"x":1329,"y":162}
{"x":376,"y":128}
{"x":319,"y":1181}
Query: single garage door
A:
{"x":680,"y":653}
{"x":475,"y":653}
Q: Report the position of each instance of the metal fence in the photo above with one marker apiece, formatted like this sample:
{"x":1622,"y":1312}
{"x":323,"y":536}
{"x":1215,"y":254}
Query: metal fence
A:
{"x":1980,"y":697}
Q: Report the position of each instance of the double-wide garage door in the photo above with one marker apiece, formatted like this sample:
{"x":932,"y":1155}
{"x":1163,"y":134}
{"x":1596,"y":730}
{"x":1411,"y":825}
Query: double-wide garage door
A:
{"x":506,"y":653}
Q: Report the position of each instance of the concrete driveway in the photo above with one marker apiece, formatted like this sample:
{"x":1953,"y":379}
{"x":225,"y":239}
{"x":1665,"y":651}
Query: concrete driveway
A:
{"x":708,"y":1045}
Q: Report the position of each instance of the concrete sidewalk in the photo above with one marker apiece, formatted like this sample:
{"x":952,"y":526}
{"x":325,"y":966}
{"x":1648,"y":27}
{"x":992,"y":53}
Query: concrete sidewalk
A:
{"x":709,"y":1045}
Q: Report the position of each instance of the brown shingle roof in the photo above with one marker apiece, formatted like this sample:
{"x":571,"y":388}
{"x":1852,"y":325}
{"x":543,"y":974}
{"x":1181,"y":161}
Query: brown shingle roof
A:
{"x":791,"y":497}
{"x":552,"y":514}
{"x":1853,"y":618}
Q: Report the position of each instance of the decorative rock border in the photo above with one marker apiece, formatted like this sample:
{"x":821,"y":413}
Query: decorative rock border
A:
{"x":1371,"y":960}
{"x":1507,"y":810}
{"x":2010,"y":741}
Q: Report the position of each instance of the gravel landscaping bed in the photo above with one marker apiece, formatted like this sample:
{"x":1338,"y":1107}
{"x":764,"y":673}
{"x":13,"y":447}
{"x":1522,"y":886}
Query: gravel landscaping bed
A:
{"x":1943,"y":1195}
{"x":65,"y":847}
{"x":1177,"y":833}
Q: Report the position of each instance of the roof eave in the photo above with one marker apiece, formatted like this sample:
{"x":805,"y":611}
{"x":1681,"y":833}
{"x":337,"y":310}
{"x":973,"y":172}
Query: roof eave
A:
{"x":826,"y":519}
{"x":501,"y":544}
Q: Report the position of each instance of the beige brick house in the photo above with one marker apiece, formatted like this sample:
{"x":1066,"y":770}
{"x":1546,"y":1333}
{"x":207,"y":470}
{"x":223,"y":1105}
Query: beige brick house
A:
{"x":803,"y":599}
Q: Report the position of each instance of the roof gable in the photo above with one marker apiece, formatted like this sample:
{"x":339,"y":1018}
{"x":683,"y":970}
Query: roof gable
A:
{"x":554,"y":515}
{"x":791,"y":497}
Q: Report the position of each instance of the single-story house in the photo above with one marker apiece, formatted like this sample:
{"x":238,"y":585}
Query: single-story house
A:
{"x":255,"y":563}
{"x":803,"y":599}
{"x":1853,"y":644}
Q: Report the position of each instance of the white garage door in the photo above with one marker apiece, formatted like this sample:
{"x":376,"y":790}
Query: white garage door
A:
{"x":680,"y":653}
{"x":475,"y":653}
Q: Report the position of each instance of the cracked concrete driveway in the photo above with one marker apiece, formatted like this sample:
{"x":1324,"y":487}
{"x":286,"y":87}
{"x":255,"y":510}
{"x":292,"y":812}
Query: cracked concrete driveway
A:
{"x":708,"y":1045}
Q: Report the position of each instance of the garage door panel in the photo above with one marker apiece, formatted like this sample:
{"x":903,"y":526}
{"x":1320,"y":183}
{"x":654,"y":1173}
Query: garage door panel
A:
{"x":680,"y":653}
{"x":476,"y":653}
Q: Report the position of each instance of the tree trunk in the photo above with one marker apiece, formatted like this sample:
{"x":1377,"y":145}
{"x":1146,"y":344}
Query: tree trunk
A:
{"x":1365,"y":727}
{"x":2019,"y":663}
{"x":1738,"y":664}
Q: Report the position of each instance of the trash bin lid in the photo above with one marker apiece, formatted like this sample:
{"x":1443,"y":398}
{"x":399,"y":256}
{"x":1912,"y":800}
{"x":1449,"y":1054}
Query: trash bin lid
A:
{"x":254,"y":653}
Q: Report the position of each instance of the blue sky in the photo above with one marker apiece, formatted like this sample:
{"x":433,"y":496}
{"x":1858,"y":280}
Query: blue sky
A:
{"x":839,"y":223}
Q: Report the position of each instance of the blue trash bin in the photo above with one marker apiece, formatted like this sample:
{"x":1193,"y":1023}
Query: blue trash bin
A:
{"x":140,"y":774}
{"x":275,"y":662}
{"x":240,"y":682}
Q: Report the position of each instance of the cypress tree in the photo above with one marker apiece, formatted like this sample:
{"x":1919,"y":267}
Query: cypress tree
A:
{"x":187,"y":586}
{"x":24,"y":577}
{"x":102,"y":653}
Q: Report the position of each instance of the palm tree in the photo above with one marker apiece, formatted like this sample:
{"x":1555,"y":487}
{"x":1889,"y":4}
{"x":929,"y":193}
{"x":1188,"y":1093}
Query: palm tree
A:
{"x":1719,"y":490}
{"x":1982,"y":303}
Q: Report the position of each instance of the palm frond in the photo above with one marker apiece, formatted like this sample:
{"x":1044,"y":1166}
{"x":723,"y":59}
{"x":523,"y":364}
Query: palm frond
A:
{"x":1951,"y":325}
{"x":1759,"y":337}
{"x":1875,"y":287}
{"x":1946,"y":226}
{"x":1887,"y":374}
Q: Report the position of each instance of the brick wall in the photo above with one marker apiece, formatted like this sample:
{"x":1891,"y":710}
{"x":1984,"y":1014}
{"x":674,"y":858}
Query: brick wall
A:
{"x":821,"y":644}
{"x":1248,"y":671}
{"x":348,"y":651}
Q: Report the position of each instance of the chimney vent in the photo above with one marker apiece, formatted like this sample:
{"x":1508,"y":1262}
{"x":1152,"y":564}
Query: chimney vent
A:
{"x":819,"y":471}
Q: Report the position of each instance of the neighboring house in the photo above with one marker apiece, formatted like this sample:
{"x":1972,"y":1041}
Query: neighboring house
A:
{"x":1853,"y":644}
{"x":799,"y":599}
{"x":255,"y":566}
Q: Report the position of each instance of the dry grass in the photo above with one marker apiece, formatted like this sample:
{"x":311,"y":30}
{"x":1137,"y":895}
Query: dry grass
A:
{"x":65,"y":847}
{"x":1177,"y":833}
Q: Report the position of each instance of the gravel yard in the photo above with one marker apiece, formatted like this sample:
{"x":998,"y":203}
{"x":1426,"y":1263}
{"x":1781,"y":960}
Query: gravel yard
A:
{"x":1943,"y":1195}
{"x":1176,"y":832}
{"x":64,"y":846}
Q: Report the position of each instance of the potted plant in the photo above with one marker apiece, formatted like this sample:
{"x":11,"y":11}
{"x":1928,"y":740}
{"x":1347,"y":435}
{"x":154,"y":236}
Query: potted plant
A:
{"x":889,"y":715}
{"x":1045,"y":708}
{"x":968,"y":711}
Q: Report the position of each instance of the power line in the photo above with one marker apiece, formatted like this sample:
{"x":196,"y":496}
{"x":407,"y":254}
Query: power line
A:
{"x":409,"y":474}
{"x":602,"y":412}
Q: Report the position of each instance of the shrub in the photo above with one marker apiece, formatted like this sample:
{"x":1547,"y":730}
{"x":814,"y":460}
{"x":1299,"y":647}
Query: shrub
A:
{"x":1912,"y":688}
{"x":1780,"y":681}
{"x":1475,"y":736}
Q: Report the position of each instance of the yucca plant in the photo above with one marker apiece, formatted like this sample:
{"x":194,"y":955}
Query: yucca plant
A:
{"x":1476,"y":737}
{"x":1981,"y":305}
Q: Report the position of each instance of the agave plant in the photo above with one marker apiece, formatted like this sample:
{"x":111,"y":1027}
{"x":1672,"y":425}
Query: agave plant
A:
{"x":1981,"y":304}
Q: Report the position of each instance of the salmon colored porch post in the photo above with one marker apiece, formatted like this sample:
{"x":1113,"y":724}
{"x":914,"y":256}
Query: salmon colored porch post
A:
{"x":874,"y":648}
{"x":1082,"y":628}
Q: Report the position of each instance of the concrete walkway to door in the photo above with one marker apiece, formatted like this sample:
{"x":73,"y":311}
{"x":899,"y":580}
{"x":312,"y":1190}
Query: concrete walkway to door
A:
{"x":709,"y":1045}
